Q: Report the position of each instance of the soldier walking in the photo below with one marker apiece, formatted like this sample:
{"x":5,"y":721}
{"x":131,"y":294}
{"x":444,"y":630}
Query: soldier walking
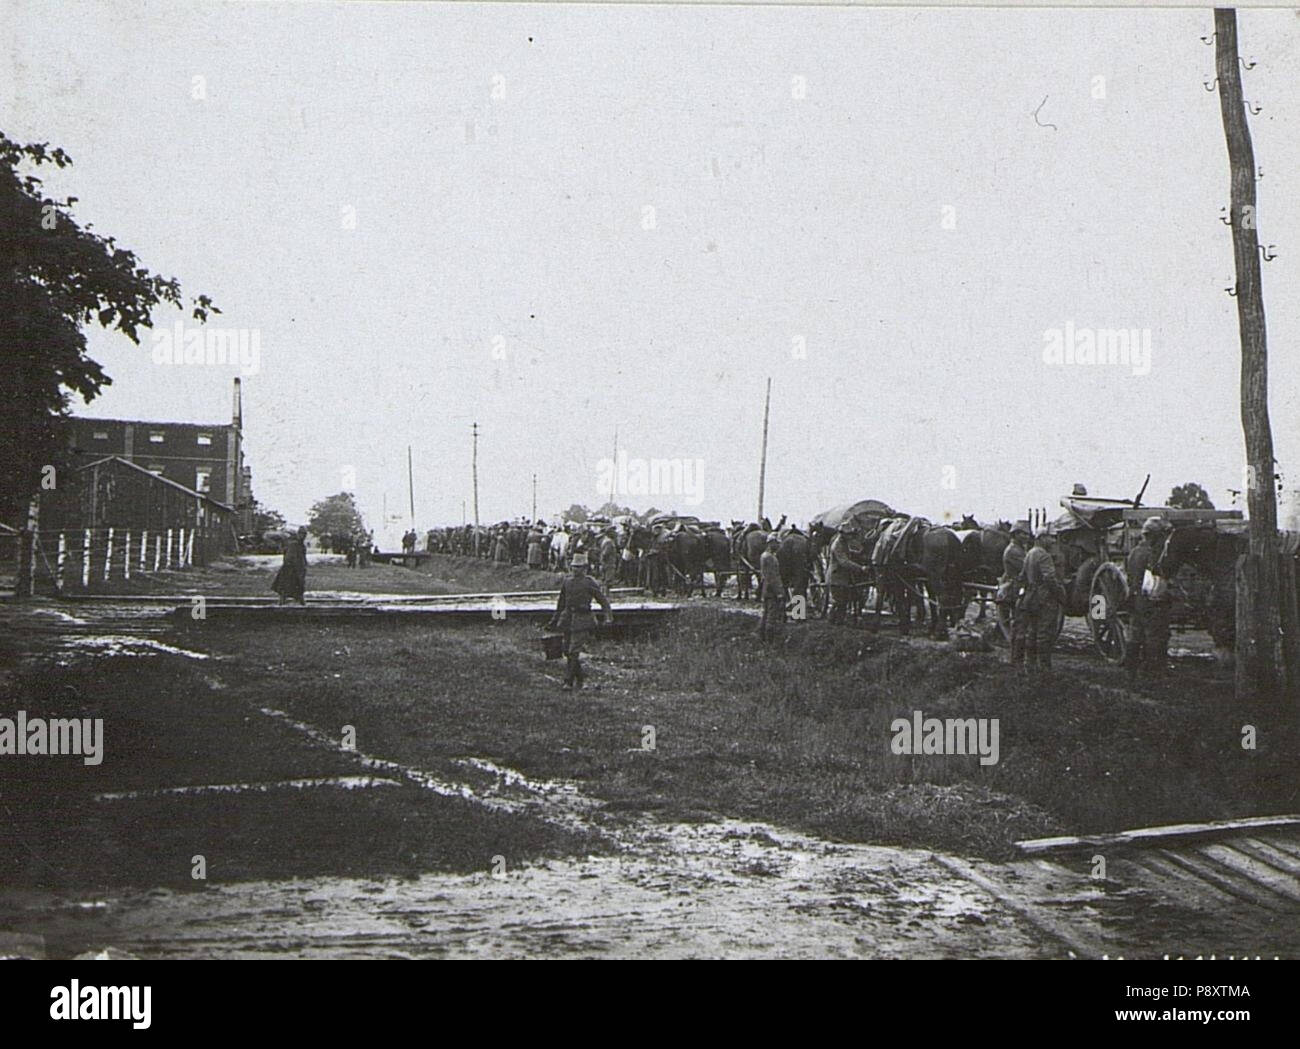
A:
{"x":1041,"y":604}
{"x":1151,"y":603}
{"x":608,"y":559}
{"x":771,"y":589}
{"x":574,"y":617}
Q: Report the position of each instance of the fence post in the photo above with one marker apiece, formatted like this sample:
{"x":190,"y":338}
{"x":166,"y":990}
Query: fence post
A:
{"x":126,"y":557}
{"x":61,"y":563}
{"x":144,"y":546}
{"x":157,"y":552}
{"x":189,"y":550}
{"x":167,"y":560}
{"x":108,"y":555}
{"x":85,"y":560}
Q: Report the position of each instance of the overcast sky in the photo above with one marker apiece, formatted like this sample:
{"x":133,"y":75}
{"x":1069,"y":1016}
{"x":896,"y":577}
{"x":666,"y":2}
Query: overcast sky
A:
{"x":386,"y":193}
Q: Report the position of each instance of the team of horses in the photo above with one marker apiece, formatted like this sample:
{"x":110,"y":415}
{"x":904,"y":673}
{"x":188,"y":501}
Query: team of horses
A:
{"x":908,"y":564}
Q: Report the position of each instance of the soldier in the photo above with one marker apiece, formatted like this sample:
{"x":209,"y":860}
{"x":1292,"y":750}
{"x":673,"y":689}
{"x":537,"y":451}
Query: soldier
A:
{"x":1151,"y":603}
{"x":573,"y":616}
{"x":535,"y":546}
{"x":1013,"y":565}
{"x":844,"y":572}
{"x":1041,"y":604}
{"x":771,"y":589}
{"x":608,"y":559}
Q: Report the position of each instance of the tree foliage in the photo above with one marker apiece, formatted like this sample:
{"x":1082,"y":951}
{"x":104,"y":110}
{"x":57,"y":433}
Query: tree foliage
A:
{"x":335,"y":515}
{"x":57,"y":276}
{"x":1190,"y":496}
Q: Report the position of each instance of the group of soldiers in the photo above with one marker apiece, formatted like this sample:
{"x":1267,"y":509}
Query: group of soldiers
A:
{"x":1032,"y":589}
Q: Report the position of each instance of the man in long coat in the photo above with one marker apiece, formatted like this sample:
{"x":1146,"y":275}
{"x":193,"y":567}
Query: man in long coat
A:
{"x":291,"y":581}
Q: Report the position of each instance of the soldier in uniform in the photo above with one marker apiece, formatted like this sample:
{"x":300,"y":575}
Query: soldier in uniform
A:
{"x":1151,"y":603}
{"x":1013,"y":566}
{"x":1040,"y":606}
{"x":771,"y":590}
{"x":608,"y":559}
{"x":535,"y":546}
{"x":573,"y":616}
{"x":844,"y":572}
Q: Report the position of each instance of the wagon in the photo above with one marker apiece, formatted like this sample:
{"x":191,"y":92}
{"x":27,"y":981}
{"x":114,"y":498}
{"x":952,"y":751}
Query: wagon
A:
{"x":1095,"y":537}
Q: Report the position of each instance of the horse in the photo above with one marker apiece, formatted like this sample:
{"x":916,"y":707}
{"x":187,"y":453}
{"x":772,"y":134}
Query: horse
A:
{"x":747,"y":544}
{"x":686,"y":553}
{"x":918,"y":563}
{"x":717,"y":557}
{"x":795,"y":556}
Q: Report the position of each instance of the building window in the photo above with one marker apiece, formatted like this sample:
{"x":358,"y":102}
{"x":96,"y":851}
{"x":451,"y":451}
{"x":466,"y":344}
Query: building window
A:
{"x":156,"y":437}
{"x":205,"y":438}
{"x":101,"y":435}
{"x":202,"y":480}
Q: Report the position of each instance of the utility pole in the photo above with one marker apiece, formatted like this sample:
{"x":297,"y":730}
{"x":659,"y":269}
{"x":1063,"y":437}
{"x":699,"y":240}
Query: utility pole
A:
{"x":1259,"y":641}
{"x":762,"y":467}
{"x":410,"y":483}
{"x":475,"y":467}
{"x":534,"y":497}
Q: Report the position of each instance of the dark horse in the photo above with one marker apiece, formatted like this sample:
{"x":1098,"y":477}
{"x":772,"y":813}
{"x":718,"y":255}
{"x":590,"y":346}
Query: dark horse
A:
{"x":747,"y":544}
{"x":687,"y":552}
{"x":795,"y":555}
{"x":928,"y":561}
{"x":717,"y":557}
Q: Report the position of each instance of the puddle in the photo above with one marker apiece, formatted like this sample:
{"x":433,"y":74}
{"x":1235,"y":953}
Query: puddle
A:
{"x":122,"y":645}
{"x":339,"y":782}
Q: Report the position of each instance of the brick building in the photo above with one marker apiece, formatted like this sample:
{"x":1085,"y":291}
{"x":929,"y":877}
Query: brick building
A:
{"x":204,"y":457}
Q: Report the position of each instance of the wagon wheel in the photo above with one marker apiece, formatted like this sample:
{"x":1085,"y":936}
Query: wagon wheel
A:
{"x":1107,"y":596}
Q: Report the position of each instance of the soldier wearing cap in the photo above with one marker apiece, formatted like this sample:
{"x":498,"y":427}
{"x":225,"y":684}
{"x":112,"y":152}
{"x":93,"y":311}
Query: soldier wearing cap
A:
{"x":573,"y":616}
{"x":844,"y":572}
{"x":1040,"y":606}
{"x":1149,"y":636}
{"x":1009,"y":587}
{"x":771,"y":589}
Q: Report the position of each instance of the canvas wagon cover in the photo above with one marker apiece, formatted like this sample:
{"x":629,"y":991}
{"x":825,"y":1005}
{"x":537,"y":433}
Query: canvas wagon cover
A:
{"x":863,"y":509}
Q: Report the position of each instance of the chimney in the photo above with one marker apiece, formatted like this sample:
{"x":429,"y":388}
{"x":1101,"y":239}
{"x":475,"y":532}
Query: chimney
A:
{"x":237,"y":410}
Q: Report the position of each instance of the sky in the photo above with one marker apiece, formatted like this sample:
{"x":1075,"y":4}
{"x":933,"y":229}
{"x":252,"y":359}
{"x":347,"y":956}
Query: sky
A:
{"x":559,"y":221}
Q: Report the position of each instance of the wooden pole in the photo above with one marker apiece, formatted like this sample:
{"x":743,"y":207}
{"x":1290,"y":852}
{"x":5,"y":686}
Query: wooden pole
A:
{"x":762,"y":466}
{"x":410,"y":483}
{"x":1259,"y":641}
{"x":475,"y":468}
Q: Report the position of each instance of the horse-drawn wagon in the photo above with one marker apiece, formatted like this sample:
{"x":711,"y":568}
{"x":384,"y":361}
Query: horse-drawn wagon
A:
{"x":1093,"y":540}
{"x":865,"y":515}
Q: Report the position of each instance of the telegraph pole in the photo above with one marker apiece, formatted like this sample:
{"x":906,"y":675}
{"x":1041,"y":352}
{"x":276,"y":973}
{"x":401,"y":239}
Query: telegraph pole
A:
{"x":1259,"y":642}
{"x":410,"y":483}
{"x":534,"y":497}
{"x":762,"y":468}
{"x":475,"y":467}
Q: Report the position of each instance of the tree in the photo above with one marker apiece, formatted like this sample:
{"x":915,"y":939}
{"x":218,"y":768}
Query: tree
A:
{"x":55,"y":277}
{"x":1190,"y":496}
{"x":265,"y":520}
{"x":336,"y":515}
{"x":576,"y":513}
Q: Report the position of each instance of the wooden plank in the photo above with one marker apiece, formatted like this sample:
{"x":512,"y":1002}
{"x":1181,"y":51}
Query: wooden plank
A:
{"x":1230,"y":881}
{"x":1080,"y":945}
{"x":1257,"y":871}
{"x":1150,"y":835}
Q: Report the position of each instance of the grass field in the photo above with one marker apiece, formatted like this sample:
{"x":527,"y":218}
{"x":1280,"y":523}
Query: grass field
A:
{"x":796,"y":736}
